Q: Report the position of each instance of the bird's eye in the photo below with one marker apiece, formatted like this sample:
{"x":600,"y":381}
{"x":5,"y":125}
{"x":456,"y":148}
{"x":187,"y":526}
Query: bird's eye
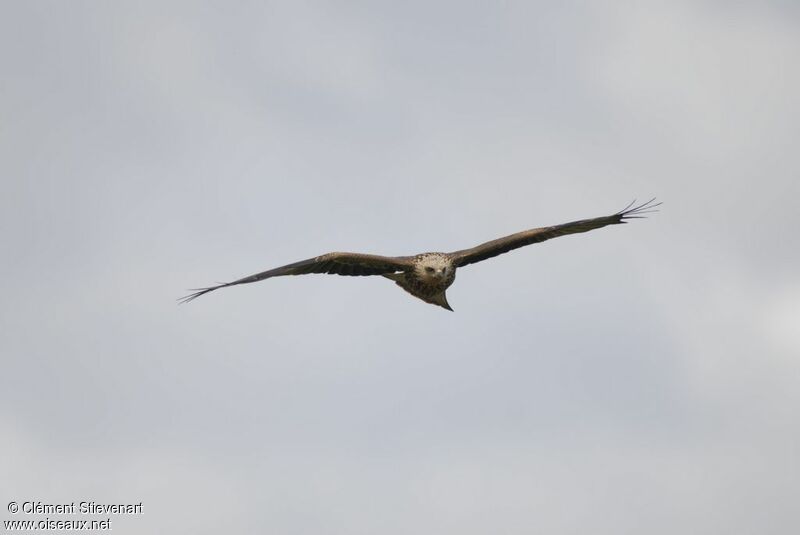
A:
{"x":429,"y":269}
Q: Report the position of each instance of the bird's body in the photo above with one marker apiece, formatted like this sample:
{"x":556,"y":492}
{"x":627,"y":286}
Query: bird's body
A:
{"x":431,"y":275}
{"x":428,"y":275}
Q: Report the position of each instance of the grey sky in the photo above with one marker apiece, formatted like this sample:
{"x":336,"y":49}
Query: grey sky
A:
{"x":638,"y":379}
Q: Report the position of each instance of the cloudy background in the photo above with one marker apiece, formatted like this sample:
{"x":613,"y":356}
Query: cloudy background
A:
{"x":638,"y":379}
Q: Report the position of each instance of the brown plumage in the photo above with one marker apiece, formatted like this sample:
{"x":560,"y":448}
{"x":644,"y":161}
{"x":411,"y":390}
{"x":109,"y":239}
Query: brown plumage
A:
{"x":428,"y":275}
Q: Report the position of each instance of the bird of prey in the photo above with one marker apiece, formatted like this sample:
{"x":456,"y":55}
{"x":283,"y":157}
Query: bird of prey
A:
{"x":428,"y":275}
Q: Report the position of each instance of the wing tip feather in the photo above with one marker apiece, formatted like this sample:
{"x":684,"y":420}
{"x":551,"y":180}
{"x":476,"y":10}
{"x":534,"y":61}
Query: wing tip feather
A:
{"x":633,"y":211}
{"x":197,"y":292}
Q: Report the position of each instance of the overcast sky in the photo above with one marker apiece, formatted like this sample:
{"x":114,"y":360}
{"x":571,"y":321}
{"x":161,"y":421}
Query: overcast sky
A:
{"x":637,"y":379}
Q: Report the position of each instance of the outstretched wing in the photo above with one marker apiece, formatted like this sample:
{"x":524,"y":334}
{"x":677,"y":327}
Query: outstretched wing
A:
{"x":355,"y":264}
{"x":528,"y":237}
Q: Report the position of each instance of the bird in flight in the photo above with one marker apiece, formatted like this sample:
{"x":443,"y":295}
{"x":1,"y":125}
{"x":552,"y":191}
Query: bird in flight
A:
{"x":428,"y":275}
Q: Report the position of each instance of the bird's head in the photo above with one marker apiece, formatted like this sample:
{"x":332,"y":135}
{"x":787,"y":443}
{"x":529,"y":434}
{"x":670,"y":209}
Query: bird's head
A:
{"x":434,"y":268}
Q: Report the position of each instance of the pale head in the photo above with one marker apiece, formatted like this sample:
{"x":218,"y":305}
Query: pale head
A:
{"x":434,"y":267}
